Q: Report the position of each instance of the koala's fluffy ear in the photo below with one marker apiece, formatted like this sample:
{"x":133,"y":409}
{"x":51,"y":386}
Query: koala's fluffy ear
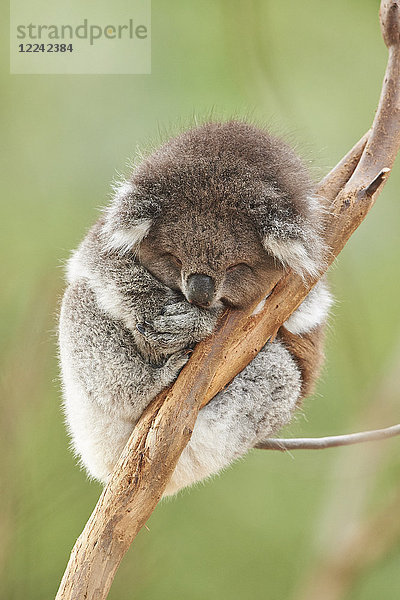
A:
{"x":128,"y":219}
{"x":299,"y":246}
{"x":305,"y":257}
{"x":293,"y":231}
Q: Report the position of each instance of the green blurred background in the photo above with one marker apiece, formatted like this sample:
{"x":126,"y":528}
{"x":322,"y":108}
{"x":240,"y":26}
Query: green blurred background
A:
{"x":273,"y":526}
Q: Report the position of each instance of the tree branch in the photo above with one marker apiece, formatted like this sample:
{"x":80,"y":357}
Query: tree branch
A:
{"x":150,"y":456}
{"x":331,"y":441}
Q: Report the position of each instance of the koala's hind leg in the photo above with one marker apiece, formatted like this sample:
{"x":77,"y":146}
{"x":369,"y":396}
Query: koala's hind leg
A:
{"x":259,"y":401}
{"x":303,"y":334}
{"x":307,"y":350}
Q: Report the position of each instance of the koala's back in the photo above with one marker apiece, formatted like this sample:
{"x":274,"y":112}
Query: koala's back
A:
{"x":100,"y":367}
{"x":102,"y":351}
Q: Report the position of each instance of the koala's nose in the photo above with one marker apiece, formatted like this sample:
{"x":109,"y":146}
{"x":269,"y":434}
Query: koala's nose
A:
{"x":200,"y":289}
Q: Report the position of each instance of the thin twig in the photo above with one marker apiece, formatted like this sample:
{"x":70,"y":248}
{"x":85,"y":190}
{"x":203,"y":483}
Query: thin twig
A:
{"x":332,"y":441}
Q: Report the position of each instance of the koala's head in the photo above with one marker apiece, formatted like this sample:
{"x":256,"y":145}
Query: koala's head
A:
{"x":216,"y":212}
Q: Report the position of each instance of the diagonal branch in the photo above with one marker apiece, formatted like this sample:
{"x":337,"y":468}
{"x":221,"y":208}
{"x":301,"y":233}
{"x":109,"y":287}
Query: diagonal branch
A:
{"x":150,"y":456}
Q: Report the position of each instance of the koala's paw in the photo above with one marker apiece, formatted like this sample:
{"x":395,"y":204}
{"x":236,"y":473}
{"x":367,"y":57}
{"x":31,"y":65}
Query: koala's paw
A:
{"x":178,"y":326}
{"x":173,"y":365}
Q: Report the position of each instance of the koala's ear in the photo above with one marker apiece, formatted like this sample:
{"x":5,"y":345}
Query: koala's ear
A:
{"x":296,"y":238}
{"x":305,"y":257}
{"x":128,"y":219}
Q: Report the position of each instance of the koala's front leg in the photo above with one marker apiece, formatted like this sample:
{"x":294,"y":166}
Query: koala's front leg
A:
{"x":259,"y":402}
{"x":161,"y":320}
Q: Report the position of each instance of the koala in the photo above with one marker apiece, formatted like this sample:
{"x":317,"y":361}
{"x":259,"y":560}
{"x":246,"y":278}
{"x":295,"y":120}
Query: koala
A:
{"x":205,"y":222}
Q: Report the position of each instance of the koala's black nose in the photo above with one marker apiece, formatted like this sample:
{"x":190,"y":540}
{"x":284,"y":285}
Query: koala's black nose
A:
{"x":200,"y":289}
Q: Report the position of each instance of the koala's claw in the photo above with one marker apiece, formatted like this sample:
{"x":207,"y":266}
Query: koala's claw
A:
{"x":176,"y":362}
{"x":141,"y":329}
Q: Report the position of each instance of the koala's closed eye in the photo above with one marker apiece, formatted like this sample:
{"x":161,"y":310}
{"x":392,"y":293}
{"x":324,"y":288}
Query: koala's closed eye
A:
{"x":237,"y":267}
{"x":174,"y":259}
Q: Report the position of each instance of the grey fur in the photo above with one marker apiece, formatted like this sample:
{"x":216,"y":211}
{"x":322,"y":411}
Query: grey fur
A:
{"x":203,"y":204}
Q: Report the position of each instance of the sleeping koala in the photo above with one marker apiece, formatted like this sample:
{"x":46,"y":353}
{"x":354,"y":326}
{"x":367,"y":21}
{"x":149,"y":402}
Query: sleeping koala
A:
{"x":204,"y":222}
